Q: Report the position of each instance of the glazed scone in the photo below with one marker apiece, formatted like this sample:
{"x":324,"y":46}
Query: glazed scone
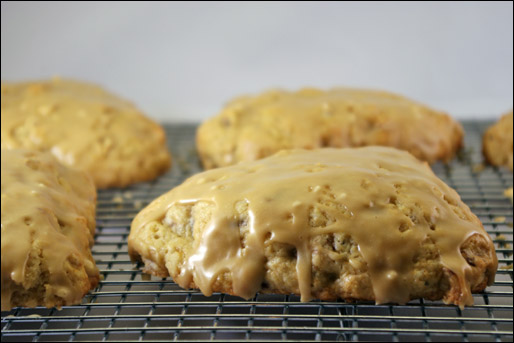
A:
{"x":48,"y":223}
{"x":370,"y":223}
{"x":254,"y":127}
{"x":497,"y":142}
{"x":84,"y":127}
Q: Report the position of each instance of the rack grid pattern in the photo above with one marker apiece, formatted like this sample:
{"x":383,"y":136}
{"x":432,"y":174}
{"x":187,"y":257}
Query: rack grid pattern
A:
{"x":130,"y":306}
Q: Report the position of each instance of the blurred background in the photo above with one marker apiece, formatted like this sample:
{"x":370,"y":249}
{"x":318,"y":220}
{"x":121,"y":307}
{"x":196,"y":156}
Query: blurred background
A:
{"x":181,"y":61}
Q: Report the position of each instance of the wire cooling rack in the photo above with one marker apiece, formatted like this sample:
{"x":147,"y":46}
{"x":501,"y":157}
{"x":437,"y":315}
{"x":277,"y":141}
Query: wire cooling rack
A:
{"x":130,"y":306}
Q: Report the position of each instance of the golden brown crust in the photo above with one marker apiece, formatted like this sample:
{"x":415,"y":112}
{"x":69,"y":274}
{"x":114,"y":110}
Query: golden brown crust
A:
{"x":497,"y":142}
{"x":48,"y":223}
{"x":251,"y":128}
{"x":84,"y":127}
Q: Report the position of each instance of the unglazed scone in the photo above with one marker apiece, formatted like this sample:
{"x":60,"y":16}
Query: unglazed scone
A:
{"x":48,"y":223}
{"x":497,"y":142}
{"x":254,"y":127}
{"x":370,"y":223}
{"x":85,"y":127}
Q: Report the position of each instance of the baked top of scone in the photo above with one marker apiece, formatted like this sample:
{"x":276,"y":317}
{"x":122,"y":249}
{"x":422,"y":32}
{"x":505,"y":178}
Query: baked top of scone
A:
{"x":48,"y":223}
{"x":253,"y":127}
{"x":497,"y":142}
{"x":85,"y":127}
{"x":370,"y":223}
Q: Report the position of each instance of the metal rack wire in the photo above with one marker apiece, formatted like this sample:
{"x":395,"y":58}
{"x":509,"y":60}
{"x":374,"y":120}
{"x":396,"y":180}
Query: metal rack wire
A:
{"x":129,"y":306}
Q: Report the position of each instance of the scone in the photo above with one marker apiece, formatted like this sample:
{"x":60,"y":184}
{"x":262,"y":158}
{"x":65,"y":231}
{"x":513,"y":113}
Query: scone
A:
{"x":497,"y":142}
{"x":48,"y":223}
{"x":254,"y":127}
{"x":84,"y":127}
{"x":370,"y":223}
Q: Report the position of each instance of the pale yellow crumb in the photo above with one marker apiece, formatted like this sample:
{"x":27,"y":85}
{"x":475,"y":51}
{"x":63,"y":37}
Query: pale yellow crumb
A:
{"x":183,"y":164}
{"x":117,"y":199}
{"x":508,"y":193}
{"x":508,"y":266}
{"x":501,"y":243}
{"x":478,"y":168}
{"x":138,"y":204}
{"x":499,"y":219}
{"x":127,"y":195}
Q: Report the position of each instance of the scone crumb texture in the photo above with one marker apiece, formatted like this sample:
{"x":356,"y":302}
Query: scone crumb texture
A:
{"x":48,"y":224}
{"x":370,"y":223}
